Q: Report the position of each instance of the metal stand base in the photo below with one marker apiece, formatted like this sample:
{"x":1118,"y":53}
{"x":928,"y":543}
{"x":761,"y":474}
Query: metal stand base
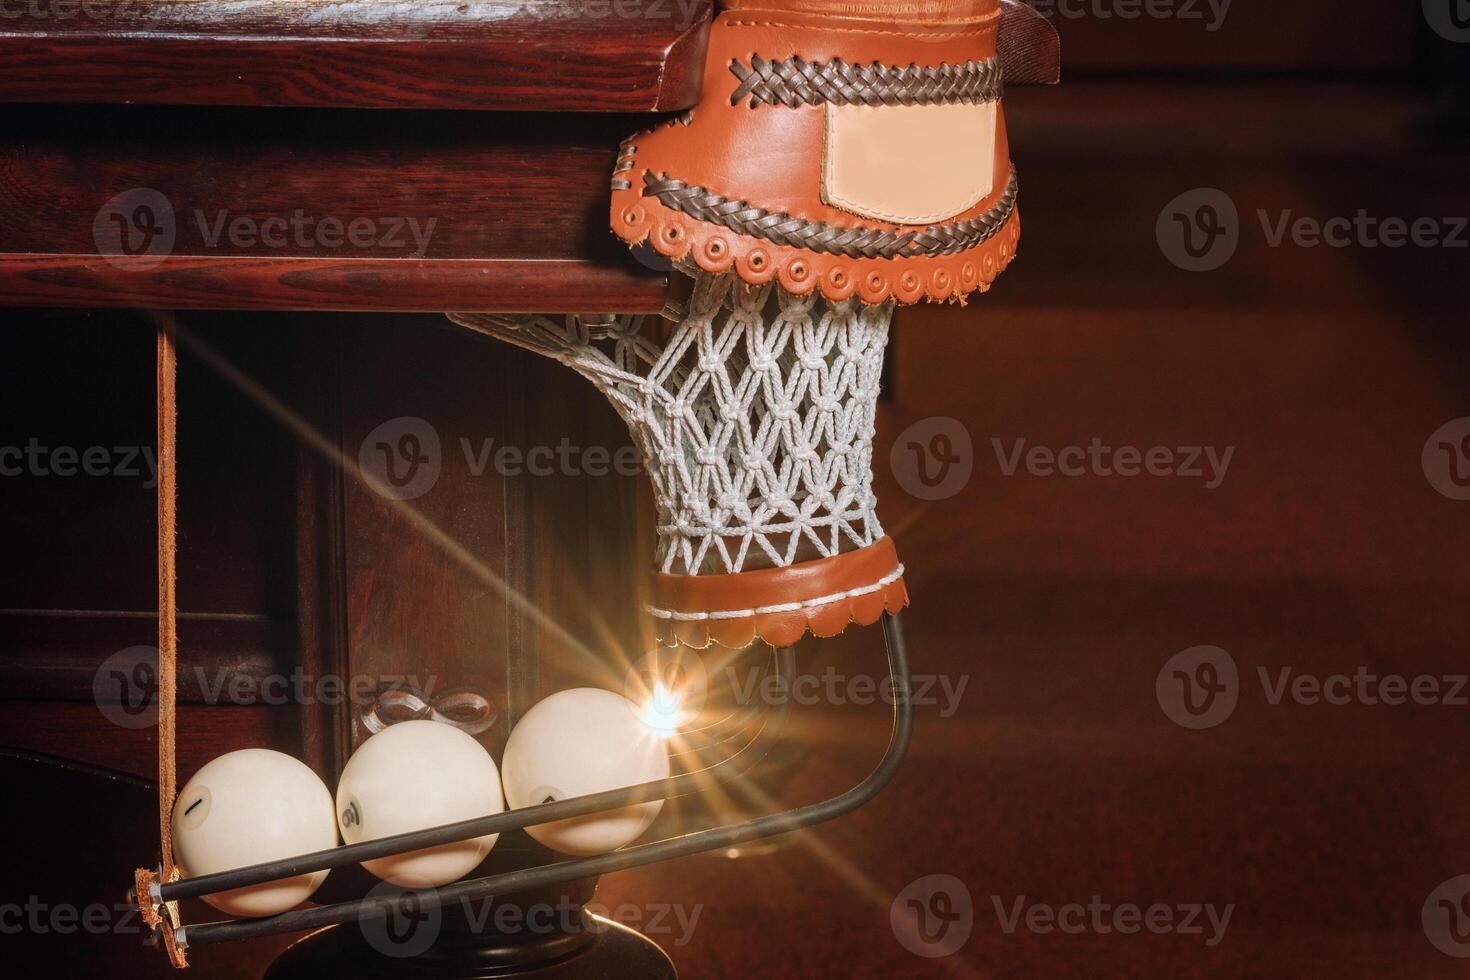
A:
{"x":595,"y":949}
{"x":544,"y":933}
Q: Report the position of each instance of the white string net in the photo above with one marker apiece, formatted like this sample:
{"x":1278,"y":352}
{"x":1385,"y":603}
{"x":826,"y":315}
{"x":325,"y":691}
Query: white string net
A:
{"x":755,"y":416}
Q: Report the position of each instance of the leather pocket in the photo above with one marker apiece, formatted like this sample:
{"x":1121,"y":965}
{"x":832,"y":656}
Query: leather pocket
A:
{"x":909,"y":165}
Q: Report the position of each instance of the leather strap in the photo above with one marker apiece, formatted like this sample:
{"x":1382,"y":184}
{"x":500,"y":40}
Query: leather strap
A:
{"x":780,"y":605}
{"x":159,"y":915}
{"x":168,"y":590}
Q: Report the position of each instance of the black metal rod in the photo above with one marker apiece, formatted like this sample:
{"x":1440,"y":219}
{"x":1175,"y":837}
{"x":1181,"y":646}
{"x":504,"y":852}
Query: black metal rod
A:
{"x":532,"y":878}
{"x":739,"y":762}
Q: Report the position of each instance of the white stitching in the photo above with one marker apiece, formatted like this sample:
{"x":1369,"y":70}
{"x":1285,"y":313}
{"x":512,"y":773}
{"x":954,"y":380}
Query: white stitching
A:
{"x":679,"y":617}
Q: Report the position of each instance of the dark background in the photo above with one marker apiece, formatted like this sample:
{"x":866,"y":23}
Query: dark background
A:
{"x":1325,"y":549}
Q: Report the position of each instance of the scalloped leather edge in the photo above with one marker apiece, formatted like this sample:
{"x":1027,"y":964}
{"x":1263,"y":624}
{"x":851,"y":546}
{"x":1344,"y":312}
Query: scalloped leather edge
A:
{"x":909,"y":280}
{"x":780,"y":605}
{"x":785,"y":629}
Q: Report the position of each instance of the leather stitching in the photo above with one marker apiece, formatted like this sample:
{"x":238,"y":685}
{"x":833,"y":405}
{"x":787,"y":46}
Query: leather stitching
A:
{"x":914,"y":35}
{"x":693,"y":617}
{"x":796,"y":82}
{"x":818,"y":236}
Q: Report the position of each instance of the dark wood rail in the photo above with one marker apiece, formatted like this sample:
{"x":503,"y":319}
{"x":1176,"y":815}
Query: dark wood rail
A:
{"x":551,"y":55}
{"x":192,"y":208}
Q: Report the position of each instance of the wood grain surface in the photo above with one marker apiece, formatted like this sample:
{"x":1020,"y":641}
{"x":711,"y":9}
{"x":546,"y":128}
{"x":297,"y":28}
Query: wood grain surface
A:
{"x":182,"y":207}
{"x":561,"y":55}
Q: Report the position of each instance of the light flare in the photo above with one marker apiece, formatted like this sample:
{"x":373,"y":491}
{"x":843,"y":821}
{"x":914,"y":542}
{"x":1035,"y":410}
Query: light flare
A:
{"x":663,"y":712}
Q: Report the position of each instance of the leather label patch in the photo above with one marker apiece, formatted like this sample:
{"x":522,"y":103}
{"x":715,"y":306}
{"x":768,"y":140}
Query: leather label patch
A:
{"x":909,"y":165}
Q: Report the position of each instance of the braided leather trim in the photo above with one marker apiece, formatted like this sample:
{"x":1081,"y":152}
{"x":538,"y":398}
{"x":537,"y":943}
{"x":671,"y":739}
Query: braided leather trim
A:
{"x":796,"y":82}
{"x":818,"y":236}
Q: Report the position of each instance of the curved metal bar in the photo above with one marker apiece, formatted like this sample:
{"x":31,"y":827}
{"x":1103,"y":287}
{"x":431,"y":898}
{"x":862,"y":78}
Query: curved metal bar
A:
{"x":531,"y":878}
{"x":738,"y":763}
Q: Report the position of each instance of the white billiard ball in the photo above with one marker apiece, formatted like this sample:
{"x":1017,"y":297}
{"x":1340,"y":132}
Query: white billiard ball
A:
{"x":413,"y":776}
{"x":246,"y":808}
{"x":579,"y":742}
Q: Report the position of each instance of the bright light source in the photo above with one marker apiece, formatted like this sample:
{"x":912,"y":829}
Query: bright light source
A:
{"x":663,"y":711}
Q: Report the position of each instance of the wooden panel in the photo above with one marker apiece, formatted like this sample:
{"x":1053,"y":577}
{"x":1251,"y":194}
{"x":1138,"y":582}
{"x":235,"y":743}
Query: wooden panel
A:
{"x":190,"y":282}
{"x":83,"y":733}
{"x":292,"y":209}
{"x":59,"y":653}
{"x":412,"y":607}
{"x":552,"y":578}
{"x":587,"y":555}
{"x":286,"y":573}
{"x":79,"y":501}
{"x":321,"y":618}
{"x":79,"y":583}
{"x":563,"y":55}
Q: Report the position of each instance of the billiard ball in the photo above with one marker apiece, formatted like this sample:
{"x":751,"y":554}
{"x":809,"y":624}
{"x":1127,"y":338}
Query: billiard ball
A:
{"x":413,"y":776}
{"x":246,"y":808}
{"x":579,"y":742}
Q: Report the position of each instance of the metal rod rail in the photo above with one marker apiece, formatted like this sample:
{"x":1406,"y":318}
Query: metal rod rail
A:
{"x":739,"y":762}
{"x":531,"y":878}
